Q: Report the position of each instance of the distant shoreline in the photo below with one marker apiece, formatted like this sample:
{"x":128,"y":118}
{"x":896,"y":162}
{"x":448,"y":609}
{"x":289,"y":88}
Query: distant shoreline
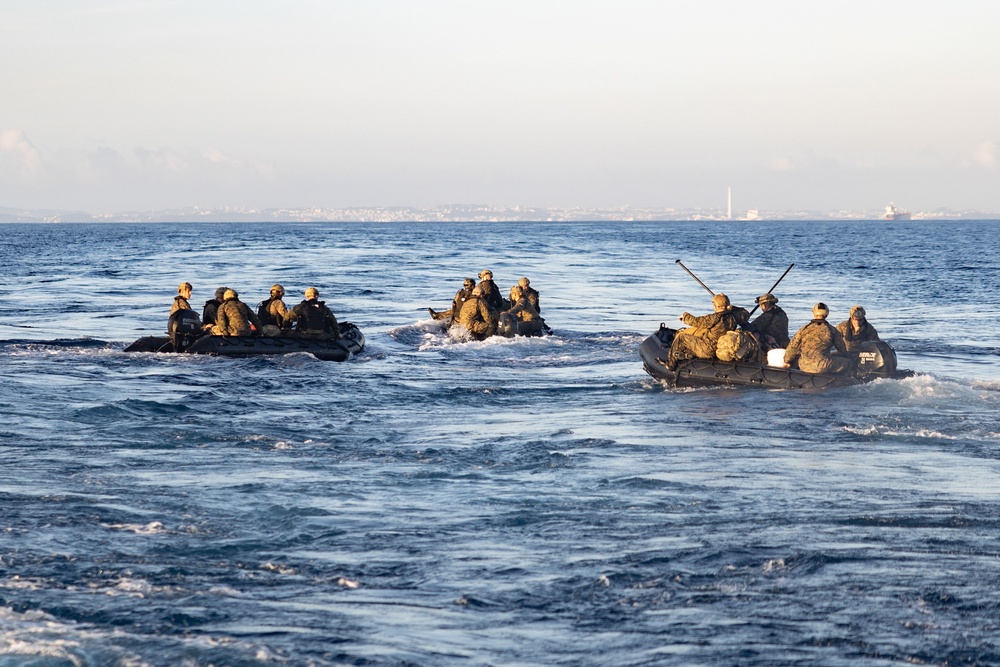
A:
{"x":469,"y":214}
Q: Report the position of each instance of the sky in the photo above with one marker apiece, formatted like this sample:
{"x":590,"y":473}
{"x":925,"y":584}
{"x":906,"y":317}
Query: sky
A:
{"x":118,"y":105}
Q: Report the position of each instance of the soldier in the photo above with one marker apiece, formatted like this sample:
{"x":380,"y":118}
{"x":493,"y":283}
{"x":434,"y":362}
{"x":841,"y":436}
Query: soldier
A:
{"x":702,"y":336}
{"x":811,"y":346}
{"x":529,"y":322}
{"x":856,"y":329}
{"x":212,"y":307}
{"x":312,"y":318}
{"x":771,"y":326}
{"x":272,"y":311}
{"x":529,"y":293}
{"x":490,"y":291}
{"x":478,"y":316}
{"x":456,"y":304}
{"x":235,"y":317}
{"x":181,"y":300}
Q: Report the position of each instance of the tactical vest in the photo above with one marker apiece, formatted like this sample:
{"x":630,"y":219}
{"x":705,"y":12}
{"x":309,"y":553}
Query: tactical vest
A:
{"x":313,"y":318}
{"x":264,"y":313}
{"x":211,"y":308}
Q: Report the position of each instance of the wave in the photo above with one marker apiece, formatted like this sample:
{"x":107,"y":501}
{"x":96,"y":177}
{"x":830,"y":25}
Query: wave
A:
{"x":61,"y":343}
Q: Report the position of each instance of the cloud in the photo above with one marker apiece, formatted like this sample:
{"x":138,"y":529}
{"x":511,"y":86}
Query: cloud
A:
{"x":13,"y":141}
{"x":162,"y":160}
{"x":987,"y":154}
{"x":216,"y":156}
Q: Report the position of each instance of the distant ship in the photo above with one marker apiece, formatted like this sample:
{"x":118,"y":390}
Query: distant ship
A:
{"x":893,"y":213}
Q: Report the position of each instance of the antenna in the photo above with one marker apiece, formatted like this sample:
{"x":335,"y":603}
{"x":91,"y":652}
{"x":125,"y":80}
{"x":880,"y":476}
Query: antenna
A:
{"x":729,"y":206}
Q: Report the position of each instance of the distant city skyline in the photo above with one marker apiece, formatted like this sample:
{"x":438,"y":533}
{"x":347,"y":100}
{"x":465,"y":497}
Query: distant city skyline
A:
{"x":144,"y":105}
{"x":477,"y":213}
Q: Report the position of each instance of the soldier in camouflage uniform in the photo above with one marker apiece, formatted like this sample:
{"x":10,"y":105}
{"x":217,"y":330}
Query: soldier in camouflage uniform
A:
{"x":212,"y":307}
{"x":313,"y":319}
{"x":456,"y":304}
{"x":234,"y":317}
{"x":529,"y":322}
{"x":478,"y":316}
{"x":272,"y":311}
{"x":528,"y":292}
{"x":700,"y":339}
{"x":490,"y":290}
{"x":812,"y":343}
{"x":856,"y":329}
{"x":181,"y":300}
{"x":771,"y":326}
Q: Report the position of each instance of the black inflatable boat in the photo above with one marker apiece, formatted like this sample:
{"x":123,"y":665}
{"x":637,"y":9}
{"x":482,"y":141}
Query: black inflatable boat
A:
{"x":875,"y":359}
{"x":184,"y":335}
{"x":509,"y":326}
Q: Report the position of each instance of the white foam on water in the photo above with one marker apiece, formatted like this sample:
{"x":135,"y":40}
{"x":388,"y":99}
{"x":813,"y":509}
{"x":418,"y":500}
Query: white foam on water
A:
{"x":151,"y":528}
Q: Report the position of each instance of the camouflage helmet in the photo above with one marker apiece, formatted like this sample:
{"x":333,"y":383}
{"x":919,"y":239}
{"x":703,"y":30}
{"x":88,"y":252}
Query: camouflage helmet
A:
{"x":312,"y":293}
{"x":720,"y":302}
{"x":277,"y":288}
{"x":184,"y":286}
{"x":485,"y":273}
{"x":220,"y":293}
{"x":516,"y":292}
{"x":820,"y":311}
{"x":857,"y":313}
{"x":766,"y":298}
{"x":523,"y":282}
{"x":230,"y":294}
{"x":469,"y":282}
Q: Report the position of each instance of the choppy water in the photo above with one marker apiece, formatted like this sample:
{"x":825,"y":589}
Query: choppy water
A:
{"x":511,"y":502}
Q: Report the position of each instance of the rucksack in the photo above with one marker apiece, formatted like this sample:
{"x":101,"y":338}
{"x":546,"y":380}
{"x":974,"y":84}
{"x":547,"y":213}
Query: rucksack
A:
{"x":736,"y":346}
{"x":264,"y":312}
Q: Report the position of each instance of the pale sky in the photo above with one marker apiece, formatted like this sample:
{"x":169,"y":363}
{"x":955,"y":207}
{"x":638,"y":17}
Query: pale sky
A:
{"x":115,"y":105}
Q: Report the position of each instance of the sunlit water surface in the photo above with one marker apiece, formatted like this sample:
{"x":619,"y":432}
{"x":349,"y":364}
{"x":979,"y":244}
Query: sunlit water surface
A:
{"x":436,"y":501}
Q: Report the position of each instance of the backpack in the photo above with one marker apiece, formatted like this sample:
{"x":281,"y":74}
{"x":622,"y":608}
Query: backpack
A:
{"x":264,"y":312}
{"x":736,"y":346}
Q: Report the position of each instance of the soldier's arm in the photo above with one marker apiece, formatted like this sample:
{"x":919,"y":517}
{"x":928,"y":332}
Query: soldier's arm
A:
{"x":706,"y":321}
{"x":838,"y":341}
{"x":693,"y":321}
{"x":792,"y":351}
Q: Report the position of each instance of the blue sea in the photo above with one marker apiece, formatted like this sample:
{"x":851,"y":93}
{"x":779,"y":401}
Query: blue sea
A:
{"x":436,"y":501}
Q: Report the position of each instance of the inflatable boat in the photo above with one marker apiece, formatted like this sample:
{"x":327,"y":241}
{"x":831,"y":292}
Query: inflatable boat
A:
{"x":874,"y":360}
{"x":184,"y":335}
{"x":509,"y":326}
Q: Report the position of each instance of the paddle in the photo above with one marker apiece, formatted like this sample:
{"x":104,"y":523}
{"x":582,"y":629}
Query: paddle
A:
{"x":770,"y":291}
{"x":698,"y":279}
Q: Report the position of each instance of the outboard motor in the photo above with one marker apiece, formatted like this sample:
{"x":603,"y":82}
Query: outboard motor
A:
{"x":507,"y":325}
{"x":876,"y":358}
{"x":183,"y":327}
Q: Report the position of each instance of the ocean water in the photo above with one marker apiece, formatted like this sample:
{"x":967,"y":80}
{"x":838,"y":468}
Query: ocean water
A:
{"x":436,"y":501}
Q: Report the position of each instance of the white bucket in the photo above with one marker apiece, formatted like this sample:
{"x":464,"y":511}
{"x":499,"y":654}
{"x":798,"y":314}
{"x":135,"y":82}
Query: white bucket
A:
{"x":776,"y":358}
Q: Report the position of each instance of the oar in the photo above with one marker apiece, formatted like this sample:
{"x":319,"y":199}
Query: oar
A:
{"x":770,"y":291}
{"x":699,"y":280}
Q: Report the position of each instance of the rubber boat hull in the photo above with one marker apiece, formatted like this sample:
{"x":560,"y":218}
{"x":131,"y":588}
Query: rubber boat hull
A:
{"x":351,"y":342}
{"x":509,"y":326}
{"x":876,"y":360}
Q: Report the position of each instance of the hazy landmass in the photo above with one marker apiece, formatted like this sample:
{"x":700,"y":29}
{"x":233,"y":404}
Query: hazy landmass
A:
{"x":462,"y":213}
